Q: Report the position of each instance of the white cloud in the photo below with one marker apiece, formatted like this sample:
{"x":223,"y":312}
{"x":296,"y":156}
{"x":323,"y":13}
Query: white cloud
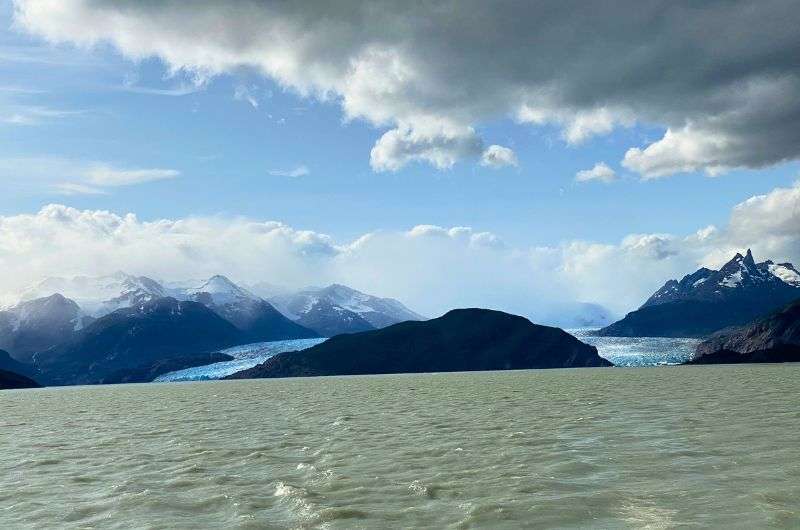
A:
{"x":433,"y":84}
{"x":246,"y":94}
{"x":299,"y":171}
{"x":497,"y":156}
{"x":178,"y":91}
{"x":33,"y":114}
{"x":680,"y":151}
{"x":433,"y":268}
{"x":74,"y":188}
{"x":106,"y":175}
{"x":653,"y":246}
{"x":72,"y":177}
{"x":601,"y":172}
{"x":441,"y":147}
{"x":577,"y":125}
{"x":464,"y":234}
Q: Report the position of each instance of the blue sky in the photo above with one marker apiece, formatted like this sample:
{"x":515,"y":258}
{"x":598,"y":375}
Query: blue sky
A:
{"x":352,"y":123}
{"x":225,"y":150}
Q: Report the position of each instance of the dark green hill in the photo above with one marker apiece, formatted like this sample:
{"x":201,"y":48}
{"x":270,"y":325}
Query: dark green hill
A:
{"x":461,"y":340}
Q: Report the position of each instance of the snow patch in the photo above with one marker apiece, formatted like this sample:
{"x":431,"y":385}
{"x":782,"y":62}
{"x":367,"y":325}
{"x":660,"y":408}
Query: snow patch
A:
{"x":221,"y":290}
{"x":786,"y":274}
{"x":732,"y":281}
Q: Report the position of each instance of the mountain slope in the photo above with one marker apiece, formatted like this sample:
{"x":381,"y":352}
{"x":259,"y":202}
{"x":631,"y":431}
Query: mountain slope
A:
{"x":461,"y":340}
{"x":258,"y":320}
{"x":775,"y":338}
{"x":338,"y":309}
{"x":329,"y":320}
{"x":11,"y":380}
{"x":39,"y":324}
{"x":133,"y":339}
{"x":10,"y":364}
{"x":706,"y":301}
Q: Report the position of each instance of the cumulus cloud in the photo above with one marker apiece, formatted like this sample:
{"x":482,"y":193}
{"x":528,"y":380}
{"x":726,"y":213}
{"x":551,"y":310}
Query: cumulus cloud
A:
{"x":680,"y":151}
{"x":439,"y":146}
{"x":59,"y":240}
{"x":601,"y":172}
{"x":465,"y":234}
{"x":497,"y":156}
{"x":434,"y":72}
{"x":431,"y":267}
{"x":654,"y":246}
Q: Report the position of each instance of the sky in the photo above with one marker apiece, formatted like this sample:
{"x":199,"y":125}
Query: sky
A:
{"x":523,"y":157}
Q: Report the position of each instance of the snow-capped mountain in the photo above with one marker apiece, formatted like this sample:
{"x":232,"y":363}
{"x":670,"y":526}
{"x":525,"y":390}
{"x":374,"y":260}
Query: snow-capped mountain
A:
{"x":99,"y":295}
{"x":739,"y":277}
{"x":36,"y":325}
{"x":339,"y":309}
{"x":137,"y":343}
{"x":218,"y":290}
{"x":256,"y":318}
{"x":707,"y":300}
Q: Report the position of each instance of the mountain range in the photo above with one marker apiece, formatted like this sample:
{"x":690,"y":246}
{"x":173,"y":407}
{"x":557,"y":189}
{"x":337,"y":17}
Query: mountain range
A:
{"x":257,"y":319}
{"x":14,"y":374}
{"x":121,"y":327}
{"x":708,"y":300}
{"x":338,"y":309}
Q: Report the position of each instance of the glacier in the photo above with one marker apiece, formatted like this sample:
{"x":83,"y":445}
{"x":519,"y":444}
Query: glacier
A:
{"x":638,"y":351}
{"x":245,"y":356}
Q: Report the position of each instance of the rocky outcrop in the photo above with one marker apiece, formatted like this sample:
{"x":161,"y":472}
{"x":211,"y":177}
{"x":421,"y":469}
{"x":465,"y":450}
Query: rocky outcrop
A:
{"x":772,"y":339}
{"x":461,"y":340}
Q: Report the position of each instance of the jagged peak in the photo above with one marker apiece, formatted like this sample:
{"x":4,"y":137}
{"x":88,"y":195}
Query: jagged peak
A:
{"x":748,"y":259}
{"x":738,"y":261}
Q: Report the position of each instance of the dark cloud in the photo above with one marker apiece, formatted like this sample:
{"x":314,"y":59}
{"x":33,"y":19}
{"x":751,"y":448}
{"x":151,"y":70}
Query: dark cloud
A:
{"x":722,"y":77}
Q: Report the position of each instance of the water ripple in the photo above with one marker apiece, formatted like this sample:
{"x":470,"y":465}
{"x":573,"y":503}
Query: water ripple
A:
{"x":637,"y":448}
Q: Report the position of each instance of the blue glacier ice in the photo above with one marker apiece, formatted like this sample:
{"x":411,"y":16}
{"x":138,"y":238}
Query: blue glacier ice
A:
{"x":245,"y":356}
{"x":639,"y":351}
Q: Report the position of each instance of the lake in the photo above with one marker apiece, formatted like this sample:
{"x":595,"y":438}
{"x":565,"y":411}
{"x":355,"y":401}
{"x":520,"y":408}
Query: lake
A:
{"x":610,"y":447}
